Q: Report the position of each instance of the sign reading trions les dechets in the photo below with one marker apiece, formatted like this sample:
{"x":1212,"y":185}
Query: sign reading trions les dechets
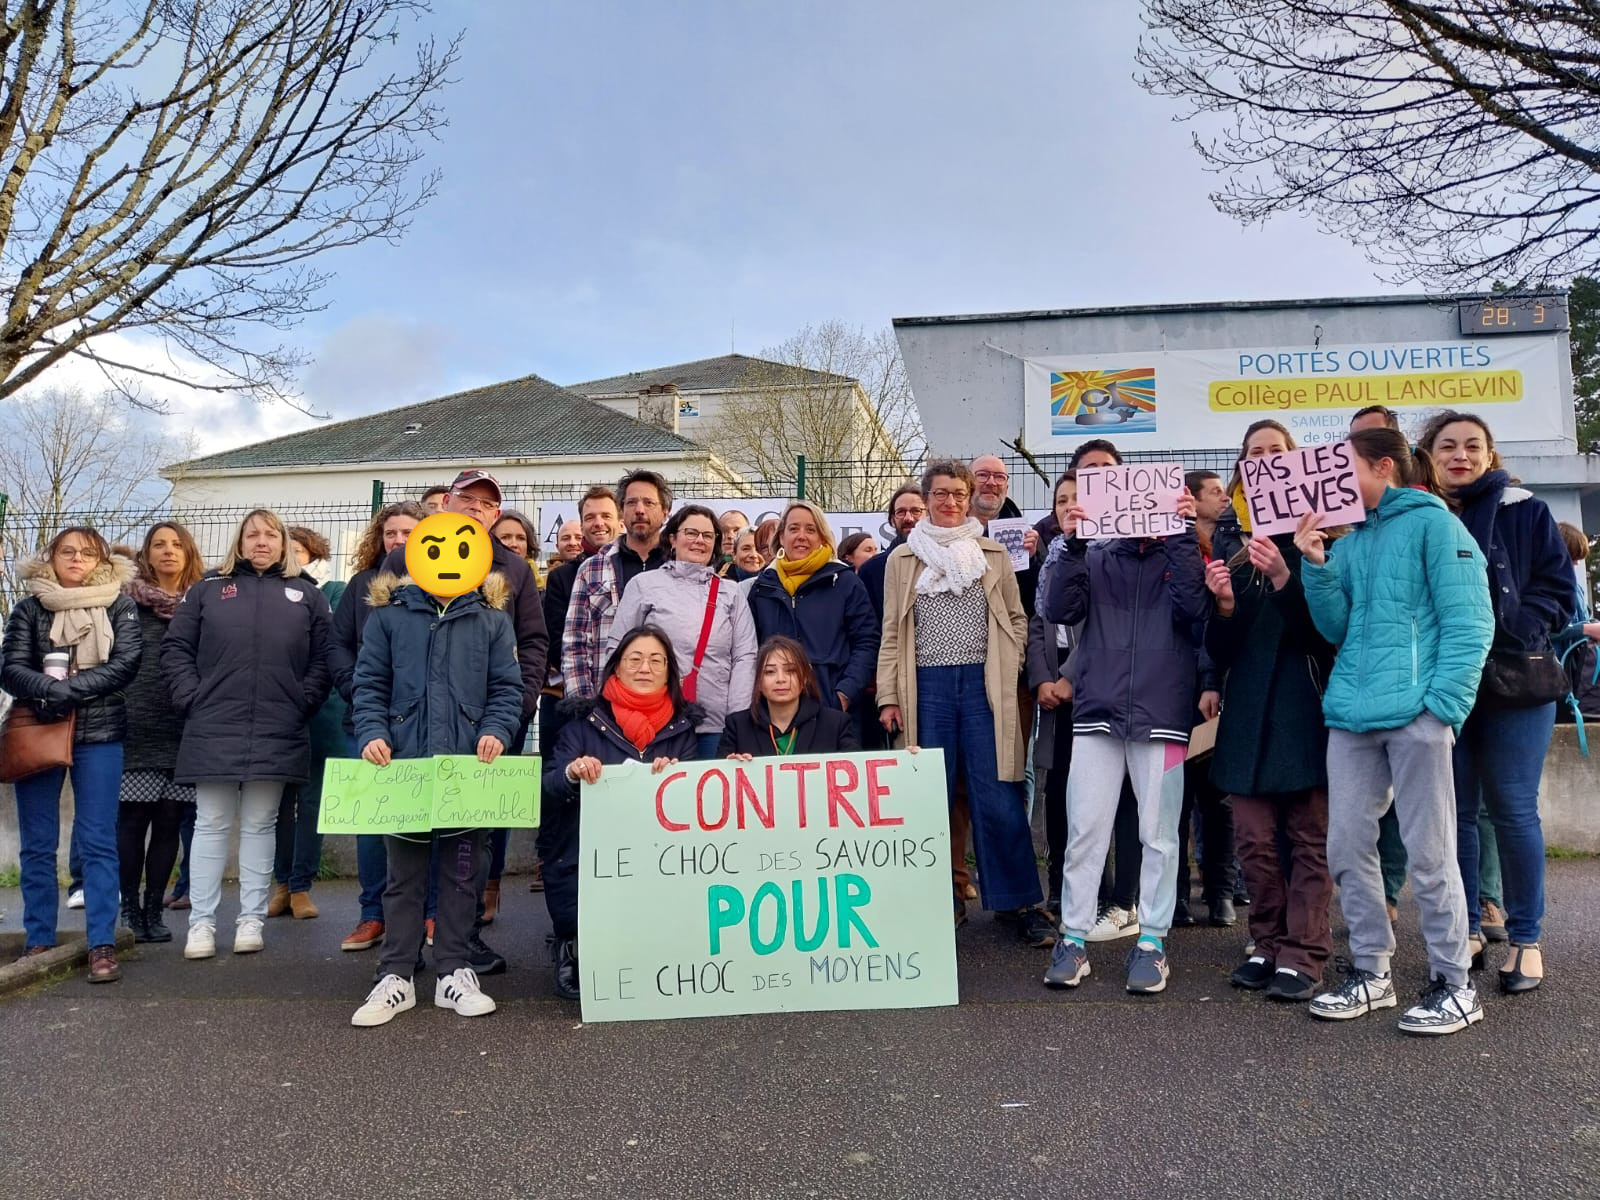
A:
{"x":777,"y":885}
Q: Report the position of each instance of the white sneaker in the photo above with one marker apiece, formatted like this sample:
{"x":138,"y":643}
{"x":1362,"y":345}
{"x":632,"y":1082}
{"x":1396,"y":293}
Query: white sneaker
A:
{"x":1361,"y":992}
{"x":247,"y":937}
{"x":392,"y":995}
{"x":1114,"y":923}
{"x":460,"y":991}
{"x":1442,"y":1009}
{"x":75,"y":898}
{"x":202,"y":942}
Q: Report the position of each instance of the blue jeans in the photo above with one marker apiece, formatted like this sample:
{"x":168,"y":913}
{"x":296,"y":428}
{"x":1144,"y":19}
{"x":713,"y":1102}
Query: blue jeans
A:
{"x":96,"y":789}
{"x":1500,"y":757}
{"x":953,"y":714}
{"x":706,"y":745}
{"x":297,"y":855}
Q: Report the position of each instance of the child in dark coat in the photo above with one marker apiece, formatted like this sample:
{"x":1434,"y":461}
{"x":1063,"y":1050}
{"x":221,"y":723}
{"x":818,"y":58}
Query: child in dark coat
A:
{"x":434,"y":676}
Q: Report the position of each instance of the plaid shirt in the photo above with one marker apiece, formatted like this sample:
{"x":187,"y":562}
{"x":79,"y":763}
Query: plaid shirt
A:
{"x":583,"y":642}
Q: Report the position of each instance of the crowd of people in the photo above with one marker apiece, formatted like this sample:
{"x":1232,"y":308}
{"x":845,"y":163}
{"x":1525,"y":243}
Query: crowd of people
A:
{"x":1419,"y":650}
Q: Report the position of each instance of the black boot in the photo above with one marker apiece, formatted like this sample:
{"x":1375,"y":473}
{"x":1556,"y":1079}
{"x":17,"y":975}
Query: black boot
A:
{"x":155,"y":929}
{"x":566,"y":955}
{"x":133,"y":918}
{"x":481,"y":958}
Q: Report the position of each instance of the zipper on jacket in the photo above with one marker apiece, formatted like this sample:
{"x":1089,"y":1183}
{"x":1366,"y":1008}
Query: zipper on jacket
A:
{"x":1415,"y":665}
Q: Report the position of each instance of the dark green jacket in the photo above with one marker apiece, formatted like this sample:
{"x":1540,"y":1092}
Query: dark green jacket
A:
{"x":1271,"y":738}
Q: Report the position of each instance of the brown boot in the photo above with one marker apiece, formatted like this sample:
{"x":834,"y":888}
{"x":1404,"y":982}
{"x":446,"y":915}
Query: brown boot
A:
{"x":278,"y":900}
{"x":491,"y":901}
{"x":300,"y":904}
{"x":103,"y":965}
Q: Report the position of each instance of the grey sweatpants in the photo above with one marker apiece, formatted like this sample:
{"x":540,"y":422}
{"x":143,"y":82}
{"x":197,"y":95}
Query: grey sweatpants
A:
{"x":1415,"y":761}
{"x":1094,"y":788}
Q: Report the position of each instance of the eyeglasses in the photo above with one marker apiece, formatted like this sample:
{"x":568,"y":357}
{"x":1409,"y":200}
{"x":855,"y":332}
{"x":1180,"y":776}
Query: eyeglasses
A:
{"x":474,"y":503}
{"x":72,"y":555}
{"x":940,"y":495}
{"x":998,"y":476}
{"x":907,"y":510}
{"x":655,"y":661}
{"x":697,"y":535}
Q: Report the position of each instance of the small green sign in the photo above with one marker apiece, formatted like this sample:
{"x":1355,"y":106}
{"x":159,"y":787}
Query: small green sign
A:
{"x":416,"y":795}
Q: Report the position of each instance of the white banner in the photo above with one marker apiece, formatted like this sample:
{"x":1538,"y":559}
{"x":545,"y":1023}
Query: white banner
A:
{"x":1204,"y":399}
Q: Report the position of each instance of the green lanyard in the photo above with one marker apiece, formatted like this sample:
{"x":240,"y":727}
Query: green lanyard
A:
{"x":783,"y":745}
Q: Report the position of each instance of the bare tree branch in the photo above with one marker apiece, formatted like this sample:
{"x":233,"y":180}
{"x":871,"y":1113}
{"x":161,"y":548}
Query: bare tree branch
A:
{"x":175,"y":166}
{"x":1454,"y":141}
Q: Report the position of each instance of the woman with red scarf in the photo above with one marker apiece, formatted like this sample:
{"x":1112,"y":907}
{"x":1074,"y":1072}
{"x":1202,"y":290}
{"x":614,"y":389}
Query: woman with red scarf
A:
{"x":639,"y":716}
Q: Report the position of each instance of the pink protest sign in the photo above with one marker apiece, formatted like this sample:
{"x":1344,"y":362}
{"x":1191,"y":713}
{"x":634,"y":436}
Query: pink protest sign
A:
{"x":1282,"y":488}
{"x":1138,"y":500}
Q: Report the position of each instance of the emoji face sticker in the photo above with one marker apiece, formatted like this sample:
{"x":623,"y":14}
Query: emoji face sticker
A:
{"x":448,"y":554}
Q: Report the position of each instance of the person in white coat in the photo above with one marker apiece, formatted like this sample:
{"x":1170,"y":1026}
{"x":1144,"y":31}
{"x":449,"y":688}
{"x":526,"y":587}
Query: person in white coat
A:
{"x":707,"y":618}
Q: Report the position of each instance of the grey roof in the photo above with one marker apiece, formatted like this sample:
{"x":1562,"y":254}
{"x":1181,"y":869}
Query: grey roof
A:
{"x":1446,"y":299}
{"x":704,"y":375}
{"x":523,"y":418}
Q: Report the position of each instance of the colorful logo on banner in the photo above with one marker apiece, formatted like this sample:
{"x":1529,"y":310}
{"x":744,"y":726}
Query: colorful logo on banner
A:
{"x":1116,"y":401}
{"x":777,"y":885}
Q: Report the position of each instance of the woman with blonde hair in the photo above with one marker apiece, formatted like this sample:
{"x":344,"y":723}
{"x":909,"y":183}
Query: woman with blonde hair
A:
{"x":71,"y":647}
{"x":809,"y":595}
{"x":246,"y":663}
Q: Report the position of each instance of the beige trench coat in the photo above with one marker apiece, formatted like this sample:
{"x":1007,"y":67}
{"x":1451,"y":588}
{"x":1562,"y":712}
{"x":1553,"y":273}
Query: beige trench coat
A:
{"x":1008,"y":640}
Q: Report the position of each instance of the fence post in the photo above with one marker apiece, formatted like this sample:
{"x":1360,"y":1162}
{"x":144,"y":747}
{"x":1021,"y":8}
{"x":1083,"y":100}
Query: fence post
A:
{"x":377,"y":496}
{"x":800,"y":477}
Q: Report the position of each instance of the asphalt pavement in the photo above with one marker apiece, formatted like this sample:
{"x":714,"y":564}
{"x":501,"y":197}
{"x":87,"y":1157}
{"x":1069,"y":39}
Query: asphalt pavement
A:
{"x":242,"y":1077}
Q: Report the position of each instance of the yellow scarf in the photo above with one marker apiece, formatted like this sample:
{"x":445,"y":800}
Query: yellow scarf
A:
{"x":1241,"y":506}
{"x":793,"y":572}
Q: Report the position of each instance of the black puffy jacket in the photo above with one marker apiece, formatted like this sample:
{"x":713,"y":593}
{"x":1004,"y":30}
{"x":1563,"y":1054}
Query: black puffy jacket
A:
{"x":594,"y":733}
{"x":154,"y":726}
{"x":97,"y":694}
{"x":246,"y":663}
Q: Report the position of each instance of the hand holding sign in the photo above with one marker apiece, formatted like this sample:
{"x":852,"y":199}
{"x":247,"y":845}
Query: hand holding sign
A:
{"x":1311,"y":540}
{"x":1012,"y":533}
{"x":1268,"y":559}
{"x":1282,"y":488}
{"x":1139,"y":501}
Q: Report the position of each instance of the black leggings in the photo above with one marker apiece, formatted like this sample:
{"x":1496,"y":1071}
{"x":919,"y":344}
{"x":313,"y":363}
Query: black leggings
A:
{"x":161,"y":819}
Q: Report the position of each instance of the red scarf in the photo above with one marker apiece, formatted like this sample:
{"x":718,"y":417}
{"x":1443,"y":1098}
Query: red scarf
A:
{"x":641,"y":715}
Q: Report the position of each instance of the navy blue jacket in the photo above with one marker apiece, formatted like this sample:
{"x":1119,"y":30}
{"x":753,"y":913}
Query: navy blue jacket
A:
{"x":1143,"y":602}
{"x":594,"y":733}
{"x":432,"y":679}
{"x":245,"y":660}
{"x":871,"y":574}
{"x":817,"y":730}
{"x":831,"y":617}
{"x":1530,"y":574}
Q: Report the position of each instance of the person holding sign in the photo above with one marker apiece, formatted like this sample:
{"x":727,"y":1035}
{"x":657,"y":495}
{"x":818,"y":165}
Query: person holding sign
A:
{"x":1403,"y":598}
{"x":1142,"y":601}
{"x":954,"y":635}
{"x":705,"y":616}
{"x":1500,"y":753}
{"x":640,"y":716}
{"x":1271,"y":758}
{"x":786,"y":716}
{"x":436,"y":675}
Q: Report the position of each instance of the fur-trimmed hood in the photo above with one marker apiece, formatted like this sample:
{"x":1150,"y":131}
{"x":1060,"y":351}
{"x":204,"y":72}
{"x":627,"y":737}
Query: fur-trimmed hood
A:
{"x":117,"y":569}
{"x":495,"y":590}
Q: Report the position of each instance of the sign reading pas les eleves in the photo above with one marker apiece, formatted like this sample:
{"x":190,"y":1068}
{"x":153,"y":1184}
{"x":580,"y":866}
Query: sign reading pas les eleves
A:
{"x":777,"y":885}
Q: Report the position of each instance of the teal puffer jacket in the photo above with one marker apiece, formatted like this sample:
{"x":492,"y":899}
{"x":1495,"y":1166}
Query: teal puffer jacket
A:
{"x":1404,"y":599}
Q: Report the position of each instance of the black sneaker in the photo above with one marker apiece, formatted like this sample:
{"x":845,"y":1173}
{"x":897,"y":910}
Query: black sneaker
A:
{"x":481,"y":958}
{"x":1292,"y":987}
{"x":1253,"y":973}
{"x":1034,"y":926}
{"x":1442,"y":1009}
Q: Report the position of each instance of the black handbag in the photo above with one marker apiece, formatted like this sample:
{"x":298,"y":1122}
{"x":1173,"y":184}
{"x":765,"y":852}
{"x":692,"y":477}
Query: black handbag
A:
{"x":1523,"y":678}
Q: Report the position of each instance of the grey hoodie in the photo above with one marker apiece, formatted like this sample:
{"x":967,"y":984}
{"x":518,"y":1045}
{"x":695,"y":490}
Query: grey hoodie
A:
{"x":673,"y":597}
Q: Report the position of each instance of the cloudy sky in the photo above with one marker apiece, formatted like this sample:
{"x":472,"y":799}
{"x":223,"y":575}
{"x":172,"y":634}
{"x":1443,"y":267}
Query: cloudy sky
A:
{"x":628,"y":185}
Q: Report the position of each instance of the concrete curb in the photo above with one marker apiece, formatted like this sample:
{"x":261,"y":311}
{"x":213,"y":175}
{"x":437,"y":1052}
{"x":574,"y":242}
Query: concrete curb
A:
{"x":71,"y":952}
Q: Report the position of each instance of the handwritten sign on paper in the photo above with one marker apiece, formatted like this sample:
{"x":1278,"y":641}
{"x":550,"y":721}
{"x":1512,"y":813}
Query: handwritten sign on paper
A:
{"x":1012,"y":533}
{"x":1139,"y":500}
{"x":777,"y":885}
{"x":1282,"y":488}
{"x":416,"y":795}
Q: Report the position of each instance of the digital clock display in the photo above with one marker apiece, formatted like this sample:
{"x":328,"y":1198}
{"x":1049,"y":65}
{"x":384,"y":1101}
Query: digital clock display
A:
{"x":1513,"y":314}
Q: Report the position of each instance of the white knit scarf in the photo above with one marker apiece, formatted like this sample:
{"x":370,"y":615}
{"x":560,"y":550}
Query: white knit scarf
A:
{"x":952,"y":560}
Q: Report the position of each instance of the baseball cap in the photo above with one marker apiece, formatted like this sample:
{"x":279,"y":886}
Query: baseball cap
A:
{"x":471,"y":476}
